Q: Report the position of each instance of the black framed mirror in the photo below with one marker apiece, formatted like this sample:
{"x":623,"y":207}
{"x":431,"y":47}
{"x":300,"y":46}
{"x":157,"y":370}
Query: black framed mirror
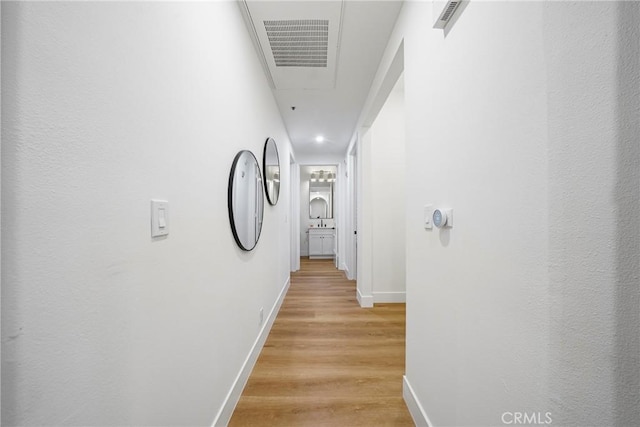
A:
{"x":321,"y":188}
{"x":245,"y":200}
{"x":271,"y":168}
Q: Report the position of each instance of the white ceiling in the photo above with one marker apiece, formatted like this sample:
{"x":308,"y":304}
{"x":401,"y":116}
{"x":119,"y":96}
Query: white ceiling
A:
{"x":327,"y":100}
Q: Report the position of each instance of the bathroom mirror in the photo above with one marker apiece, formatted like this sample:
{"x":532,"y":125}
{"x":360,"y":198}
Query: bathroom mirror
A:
{"x":271,"y":169}
{"x":245,"y":200}
{"x":321,"y":184}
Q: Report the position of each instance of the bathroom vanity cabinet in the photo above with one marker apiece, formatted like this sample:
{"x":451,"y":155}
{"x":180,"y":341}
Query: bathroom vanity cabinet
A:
{"x":321,"y":243}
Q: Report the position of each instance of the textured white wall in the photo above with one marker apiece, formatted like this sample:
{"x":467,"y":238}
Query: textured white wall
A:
{"x":528,"y":129}
{"x":592,"y":53}
{"x":387,"y":185}
{"x":106,"y":106}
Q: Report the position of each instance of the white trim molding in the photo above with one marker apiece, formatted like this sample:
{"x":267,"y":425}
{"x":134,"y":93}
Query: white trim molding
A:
{"x":416,"y":410}
{"x":294,"y":213}
{"x":343,"y":267}
{"x":365,"y":301}
{"x":389,"y":297}
{"x":231,"y":400}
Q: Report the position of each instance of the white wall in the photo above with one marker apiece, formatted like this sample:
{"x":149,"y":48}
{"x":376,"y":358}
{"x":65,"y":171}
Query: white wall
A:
{"x":528,"y":129}
{"x":364,"y":221}
{"x":0,"y":201}
{"x":106,"y":106}
{"x":593,"y":84}
{"x":387,"y":185}
{"x":347,"y":239}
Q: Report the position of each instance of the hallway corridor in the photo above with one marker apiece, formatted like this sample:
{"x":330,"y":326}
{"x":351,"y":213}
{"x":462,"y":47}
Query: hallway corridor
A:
{"x":328,"y":362}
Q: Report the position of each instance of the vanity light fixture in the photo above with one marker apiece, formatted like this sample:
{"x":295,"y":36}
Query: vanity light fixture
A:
{"x":322,"y":176}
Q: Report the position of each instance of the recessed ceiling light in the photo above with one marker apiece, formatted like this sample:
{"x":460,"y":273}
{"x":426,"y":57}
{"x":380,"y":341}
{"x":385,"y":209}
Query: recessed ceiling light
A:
{"x":319,"y":138}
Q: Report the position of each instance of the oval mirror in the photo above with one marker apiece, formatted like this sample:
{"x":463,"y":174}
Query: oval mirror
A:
{"x":271,"y":168}
{"x":245,"y":200}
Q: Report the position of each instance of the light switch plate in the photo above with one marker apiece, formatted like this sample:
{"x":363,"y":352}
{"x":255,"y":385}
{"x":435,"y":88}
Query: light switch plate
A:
{"x":159,"y":218}
{"x":428,"y":214}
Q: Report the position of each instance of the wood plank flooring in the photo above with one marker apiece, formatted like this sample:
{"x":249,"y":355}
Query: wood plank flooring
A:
{"x":328,"y":362}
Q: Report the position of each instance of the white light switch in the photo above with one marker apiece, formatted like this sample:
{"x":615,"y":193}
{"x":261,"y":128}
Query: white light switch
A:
{"x":162,"y":222}
{"x":428,"y":213}
{"x":159,"y":218}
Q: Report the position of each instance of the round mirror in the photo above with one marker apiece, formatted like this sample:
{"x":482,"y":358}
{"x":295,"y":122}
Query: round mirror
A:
{"x":245,"y":200}
{"x":271,"y":168}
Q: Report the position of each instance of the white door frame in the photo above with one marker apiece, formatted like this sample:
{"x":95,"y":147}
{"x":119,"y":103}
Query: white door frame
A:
{"x":352,"y":218}
{"x":0,"y":162}
{"x":391,"y":67}
{"x":336,"y":198}
{"x":294,"y":213}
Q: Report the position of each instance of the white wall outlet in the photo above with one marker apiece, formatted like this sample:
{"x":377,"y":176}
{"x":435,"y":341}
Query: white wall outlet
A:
{"x":428,"y":213}
{"x":159,"y":218}
{"x":261,"y":315}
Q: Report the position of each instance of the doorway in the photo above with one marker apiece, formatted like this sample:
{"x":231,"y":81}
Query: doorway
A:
{"x":380,"y":192}
{"x":318,"y":211}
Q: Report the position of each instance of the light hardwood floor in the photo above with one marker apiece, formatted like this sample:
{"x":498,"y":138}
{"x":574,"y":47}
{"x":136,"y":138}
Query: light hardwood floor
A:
{"x":328,"y":362}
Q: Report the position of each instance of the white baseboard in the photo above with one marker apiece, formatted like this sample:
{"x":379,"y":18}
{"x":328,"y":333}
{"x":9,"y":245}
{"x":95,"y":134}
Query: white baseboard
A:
{"x":365,"y":301}
{"x":230,"y":402}
{"x":416,"y":410}
{"x":347,"y":272}
{"x":389,"y":297}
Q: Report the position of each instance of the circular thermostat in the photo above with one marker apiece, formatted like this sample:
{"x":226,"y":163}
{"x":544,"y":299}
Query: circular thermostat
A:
{"x":439,"y":218}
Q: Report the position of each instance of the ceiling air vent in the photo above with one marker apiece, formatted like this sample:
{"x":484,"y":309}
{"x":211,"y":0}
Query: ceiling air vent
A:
{"x":447,"y":13}
{"x":299,"y":43}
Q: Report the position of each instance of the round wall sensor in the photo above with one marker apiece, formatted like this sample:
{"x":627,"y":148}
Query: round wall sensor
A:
{"x":439,"y":218}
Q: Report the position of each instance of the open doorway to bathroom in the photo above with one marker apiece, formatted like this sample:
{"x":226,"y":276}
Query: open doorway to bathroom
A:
{"x":318,"y":211}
